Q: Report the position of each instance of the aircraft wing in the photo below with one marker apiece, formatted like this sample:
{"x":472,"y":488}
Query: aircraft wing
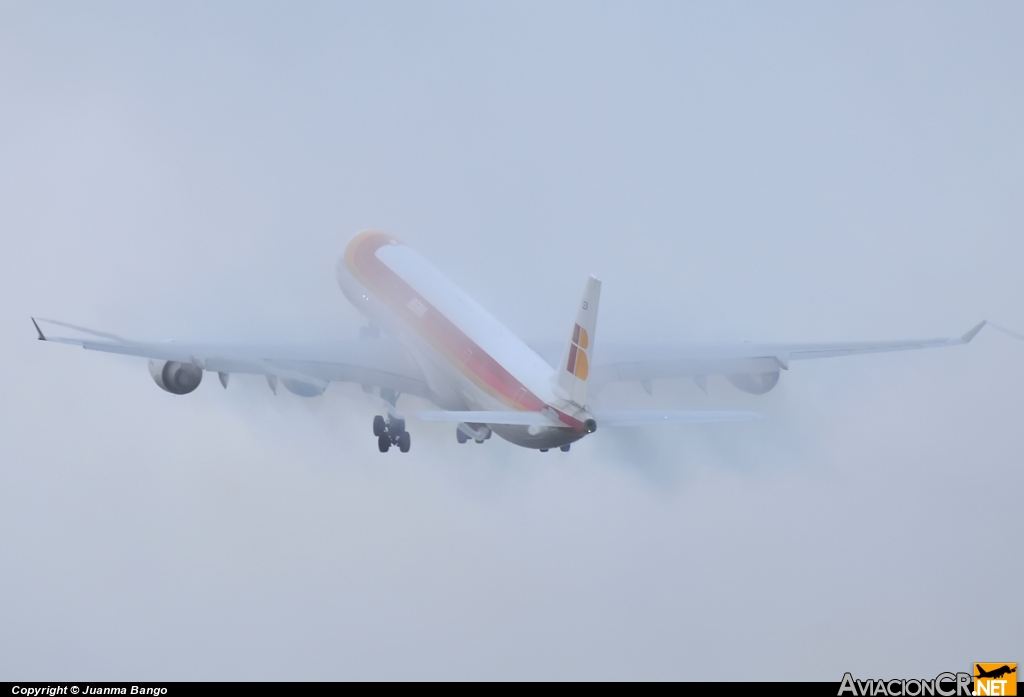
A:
{"x":641,"y":364}
{"x":379,"y":362}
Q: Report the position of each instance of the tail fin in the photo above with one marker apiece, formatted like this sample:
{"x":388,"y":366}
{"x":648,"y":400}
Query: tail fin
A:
{"x":572,"y":373}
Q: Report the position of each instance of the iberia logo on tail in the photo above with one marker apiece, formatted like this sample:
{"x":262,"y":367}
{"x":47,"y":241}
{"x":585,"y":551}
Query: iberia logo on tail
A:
{"x":578,"y":364}
{"x":570,"y":378}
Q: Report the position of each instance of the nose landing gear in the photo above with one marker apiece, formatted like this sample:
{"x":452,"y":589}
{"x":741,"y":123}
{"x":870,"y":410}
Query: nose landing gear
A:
{"x":391,"y":432}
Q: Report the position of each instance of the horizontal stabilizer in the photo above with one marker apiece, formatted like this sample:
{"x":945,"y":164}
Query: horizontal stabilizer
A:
{"x":502,"y":418}
{"x":603,"y":418}
{"x":650,"y":418}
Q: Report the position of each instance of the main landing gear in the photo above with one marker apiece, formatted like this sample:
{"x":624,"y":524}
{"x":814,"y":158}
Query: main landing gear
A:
{"x":391,"y":432}
{"x":563,"y":448}
{"x":475,"y":432}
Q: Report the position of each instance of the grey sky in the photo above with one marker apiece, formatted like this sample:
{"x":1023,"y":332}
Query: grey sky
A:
{"x":772,"y":172}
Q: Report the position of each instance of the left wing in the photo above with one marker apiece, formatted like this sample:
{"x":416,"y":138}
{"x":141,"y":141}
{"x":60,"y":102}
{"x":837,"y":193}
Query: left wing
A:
{"x":380,"y":362}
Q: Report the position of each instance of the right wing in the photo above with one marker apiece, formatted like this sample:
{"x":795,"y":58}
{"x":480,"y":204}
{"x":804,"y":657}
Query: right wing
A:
{"x":380,"y":362}
{"x":617,"y":363}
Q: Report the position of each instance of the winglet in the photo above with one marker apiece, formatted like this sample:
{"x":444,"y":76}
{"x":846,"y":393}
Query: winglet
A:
{"x":971,"y":334}
{"x":42,"y":337}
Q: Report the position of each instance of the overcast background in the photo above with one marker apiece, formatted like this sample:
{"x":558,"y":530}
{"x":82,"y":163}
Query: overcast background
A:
{"x":776,"y":172}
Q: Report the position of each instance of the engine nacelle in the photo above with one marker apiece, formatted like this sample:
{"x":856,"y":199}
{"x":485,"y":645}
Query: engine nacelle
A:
{"x":302,"y":389}
{"x":175,"y":377}
{"x":754,"y":383}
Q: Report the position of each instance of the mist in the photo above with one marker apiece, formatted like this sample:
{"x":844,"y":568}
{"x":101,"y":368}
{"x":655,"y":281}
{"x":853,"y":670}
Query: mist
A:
{"x":784,"y":172}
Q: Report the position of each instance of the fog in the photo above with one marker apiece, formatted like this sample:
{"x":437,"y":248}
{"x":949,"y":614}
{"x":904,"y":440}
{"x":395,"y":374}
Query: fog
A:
{"x":774,"y":172}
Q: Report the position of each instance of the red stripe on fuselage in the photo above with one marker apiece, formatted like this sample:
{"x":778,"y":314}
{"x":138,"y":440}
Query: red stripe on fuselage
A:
{"x":435,"y":328}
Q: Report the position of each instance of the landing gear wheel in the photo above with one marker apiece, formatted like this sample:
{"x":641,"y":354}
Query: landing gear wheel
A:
{"x":396,"y":426}
{"x":383,"y":443}
{"x":460,"y":436}
{"x":543,"y":450}
{"x":564,"y":448}
{"x":404,"y":441}
{"x":379,"y":428}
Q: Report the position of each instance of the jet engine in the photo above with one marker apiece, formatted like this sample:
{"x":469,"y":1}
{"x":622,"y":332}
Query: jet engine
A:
{"x":175,"y":377}
{"x":754,"y":383}
{"x":302,"y":389}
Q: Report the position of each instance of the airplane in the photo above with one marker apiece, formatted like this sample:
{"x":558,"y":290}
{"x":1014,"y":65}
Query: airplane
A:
{"x":440,"y":344}
{"x":996,"y":673}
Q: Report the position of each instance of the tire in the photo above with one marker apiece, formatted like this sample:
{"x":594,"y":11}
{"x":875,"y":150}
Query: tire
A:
{"x":460,"y":436}
{"x":379,"y":428}
{"x":396,"y":426}
{"x":383,"y":443}
{"x":564,"y":448}
{"x":404,"y":441}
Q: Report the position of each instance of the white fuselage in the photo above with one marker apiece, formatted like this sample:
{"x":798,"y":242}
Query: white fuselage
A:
{"x":469,"y":359}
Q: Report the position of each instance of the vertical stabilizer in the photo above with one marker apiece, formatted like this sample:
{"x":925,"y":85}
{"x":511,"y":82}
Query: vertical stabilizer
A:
{"x":573,"y":372}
